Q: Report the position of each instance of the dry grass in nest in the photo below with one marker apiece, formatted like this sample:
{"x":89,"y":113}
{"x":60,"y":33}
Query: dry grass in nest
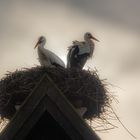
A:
{"x":75,"y":84}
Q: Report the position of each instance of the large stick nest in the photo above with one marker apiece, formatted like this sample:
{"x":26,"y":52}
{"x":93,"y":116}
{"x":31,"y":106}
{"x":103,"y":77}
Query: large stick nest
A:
{"x":75,"y":84}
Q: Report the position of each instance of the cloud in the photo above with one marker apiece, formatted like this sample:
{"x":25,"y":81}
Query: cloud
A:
{"x":123,"y":12}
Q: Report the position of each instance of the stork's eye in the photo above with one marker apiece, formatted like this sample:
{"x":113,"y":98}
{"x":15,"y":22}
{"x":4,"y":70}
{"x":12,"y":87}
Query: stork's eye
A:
{"x":89,"y":35}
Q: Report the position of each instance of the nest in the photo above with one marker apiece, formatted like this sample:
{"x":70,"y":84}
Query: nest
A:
{"x":75,"y":84}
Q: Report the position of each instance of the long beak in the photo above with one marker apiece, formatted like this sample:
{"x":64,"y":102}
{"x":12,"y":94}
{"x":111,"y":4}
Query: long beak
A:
{"x":36,"y":44}
{"x":95,"y":38}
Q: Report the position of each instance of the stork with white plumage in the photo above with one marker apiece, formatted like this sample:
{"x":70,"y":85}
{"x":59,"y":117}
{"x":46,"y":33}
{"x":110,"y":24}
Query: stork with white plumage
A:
{"x":80,"y":52}
{"x":46,"y":57}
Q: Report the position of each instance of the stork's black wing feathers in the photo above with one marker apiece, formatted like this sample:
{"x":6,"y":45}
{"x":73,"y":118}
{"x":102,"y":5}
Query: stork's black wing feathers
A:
{"x":71,"y":56}
{"x":74,"y":60}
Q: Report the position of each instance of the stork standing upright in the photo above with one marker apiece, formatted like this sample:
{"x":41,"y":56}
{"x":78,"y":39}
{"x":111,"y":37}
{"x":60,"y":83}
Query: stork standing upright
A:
{"x":46,"y":57}
{"x":80,"y":52}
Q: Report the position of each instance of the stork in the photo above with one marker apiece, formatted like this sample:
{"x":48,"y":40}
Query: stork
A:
{"x":46,"y":57}
{"x":80,"y":52}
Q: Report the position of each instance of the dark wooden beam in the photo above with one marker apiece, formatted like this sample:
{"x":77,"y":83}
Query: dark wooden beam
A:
{"x":69,"y":113}
{"x":27,"y":108}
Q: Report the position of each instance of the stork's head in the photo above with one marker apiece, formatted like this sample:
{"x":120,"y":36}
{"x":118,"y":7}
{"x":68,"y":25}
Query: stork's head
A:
{"x":41,"y":41}
{"x":88,"y":35}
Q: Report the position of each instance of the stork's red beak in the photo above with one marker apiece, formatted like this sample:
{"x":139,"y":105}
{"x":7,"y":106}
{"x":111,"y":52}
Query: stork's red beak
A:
{"x":94,"y":38}
{"x":36,"y":44}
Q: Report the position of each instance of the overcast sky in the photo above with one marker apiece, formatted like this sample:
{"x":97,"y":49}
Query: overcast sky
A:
{"x":115,"y":23}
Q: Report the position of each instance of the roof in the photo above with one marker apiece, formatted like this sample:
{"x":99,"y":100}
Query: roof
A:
{"x":47,"y":99}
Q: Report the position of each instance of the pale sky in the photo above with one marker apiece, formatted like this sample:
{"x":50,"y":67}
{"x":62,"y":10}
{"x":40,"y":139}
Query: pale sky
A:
{"x":116,"y":56}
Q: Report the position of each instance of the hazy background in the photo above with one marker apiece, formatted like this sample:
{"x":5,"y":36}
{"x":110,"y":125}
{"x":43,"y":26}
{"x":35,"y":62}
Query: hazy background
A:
{"x":117,"y":56}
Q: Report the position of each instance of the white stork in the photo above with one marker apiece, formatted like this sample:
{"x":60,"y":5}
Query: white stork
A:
{"x":46,"y":57}
{"x":80,"y":52}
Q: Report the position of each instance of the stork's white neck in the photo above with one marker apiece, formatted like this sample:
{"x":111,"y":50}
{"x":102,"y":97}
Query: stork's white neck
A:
{"x":89,"y":42}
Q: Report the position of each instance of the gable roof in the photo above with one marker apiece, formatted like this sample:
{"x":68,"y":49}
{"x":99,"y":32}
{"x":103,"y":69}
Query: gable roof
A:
{"x":51,"y":99}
